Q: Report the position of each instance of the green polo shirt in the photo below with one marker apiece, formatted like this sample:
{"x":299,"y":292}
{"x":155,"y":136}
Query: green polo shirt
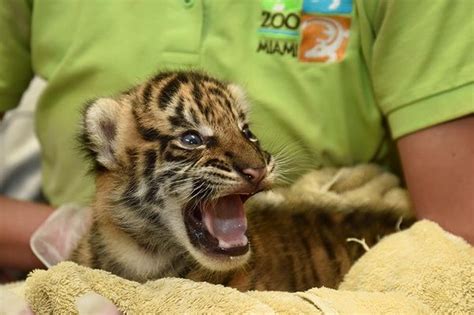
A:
{"x":331,"y":81}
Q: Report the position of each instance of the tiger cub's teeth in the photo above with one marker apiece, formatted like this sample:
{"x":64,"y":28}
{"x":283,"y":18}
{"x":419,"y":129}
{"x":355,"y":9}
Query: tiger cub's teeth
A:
{"x":234,"y":243}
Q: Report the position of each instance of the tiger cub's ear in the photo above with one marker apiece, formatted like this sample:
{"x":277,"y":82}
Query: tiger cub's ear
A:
{"x":240,"y":97}
{"x":99,"y":131}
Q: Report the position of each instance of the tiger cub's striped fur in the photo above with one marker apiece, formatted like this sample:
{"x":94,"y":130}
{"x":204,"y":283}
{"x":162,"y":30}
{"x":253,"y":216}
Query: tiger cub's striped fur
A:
{"x":175,"y":161}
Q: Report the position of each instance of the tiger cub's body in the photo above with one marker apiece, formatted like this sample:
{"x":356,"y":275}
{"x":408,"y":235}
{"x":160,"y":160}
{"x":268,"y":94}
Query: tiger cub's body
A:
{"x":175,"y":161}
{"x":298,"y":251}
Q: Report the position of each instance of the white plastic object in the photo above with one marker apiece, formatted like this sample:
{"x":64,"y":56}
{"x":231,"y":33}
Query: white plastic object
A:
{"x":92,"y":303}
{"x":59,"y":235}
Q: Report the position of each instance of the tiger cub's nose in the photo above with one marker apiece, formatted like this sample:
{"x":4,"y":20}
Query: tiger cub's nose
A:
{"x":254,"y":175}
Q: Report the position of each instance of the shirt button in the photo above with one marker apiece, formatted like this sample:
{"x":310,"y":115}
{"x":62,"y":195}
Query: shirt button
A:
{"x":188,"y":3}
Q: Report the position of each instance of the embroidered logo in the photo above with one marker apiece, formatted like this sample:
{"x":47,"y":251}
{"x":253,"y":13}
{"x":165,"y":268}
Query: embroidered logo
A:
{"x":279,"y":27}
{"x":323,"y":38}
{"x":307,"y":30}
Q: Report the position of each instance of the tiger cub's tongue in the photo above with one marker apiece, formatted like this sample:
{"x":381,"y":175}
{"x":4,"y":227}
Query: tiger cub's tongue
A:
{"x":225,"y":220}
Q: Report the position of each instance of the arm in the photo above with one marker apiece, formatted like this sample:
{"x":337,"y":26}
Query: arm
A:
{"x":421,"y":69}
{"x":18,"y":220}
{"x":438,"y":163}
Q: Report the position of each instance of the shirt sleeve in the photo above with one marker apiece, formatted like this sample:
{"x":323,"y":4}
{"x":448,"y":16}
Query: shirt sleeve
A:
{"x":421,"y":62}
{"x":15,"y":65}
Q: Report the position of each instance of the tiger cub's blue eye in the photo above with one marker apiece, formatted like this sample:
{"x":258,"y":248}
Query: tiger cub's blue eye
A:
{"x":248,"y":134}
{"x":191,"y":139}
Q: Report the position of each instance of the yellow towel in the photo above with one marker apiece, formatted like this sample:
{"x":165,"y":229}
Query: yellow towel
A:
{"x":422,"y":270}
{"x":424,"y":262}
{"x":363,"y":186}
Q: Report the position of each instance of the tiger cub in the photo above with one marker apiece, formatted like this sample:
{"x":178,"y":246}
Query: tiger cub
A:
{"x":175,"y":162}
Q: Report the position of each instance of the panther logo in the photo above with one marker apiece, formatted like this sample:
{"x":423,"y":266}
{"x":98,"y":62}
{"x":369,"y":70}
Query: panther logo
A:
{"x":324,"y":39}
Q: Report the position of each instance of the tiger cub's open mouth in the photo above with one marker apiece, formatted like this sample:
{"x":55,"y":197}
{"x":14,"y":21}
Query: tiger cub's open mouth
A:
{"x":219,"y":227}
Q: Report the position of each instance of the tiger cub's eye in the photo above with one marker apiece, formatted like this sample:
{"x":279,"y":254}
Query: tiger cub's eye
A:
{"x":248,"y":134}
{"x":191,"y":139}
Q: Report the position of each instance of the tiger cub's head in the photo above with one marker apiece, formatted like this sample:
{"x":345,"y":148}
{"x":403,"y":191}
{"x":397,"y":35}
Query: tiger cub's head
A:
{"x":176,"y":159}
